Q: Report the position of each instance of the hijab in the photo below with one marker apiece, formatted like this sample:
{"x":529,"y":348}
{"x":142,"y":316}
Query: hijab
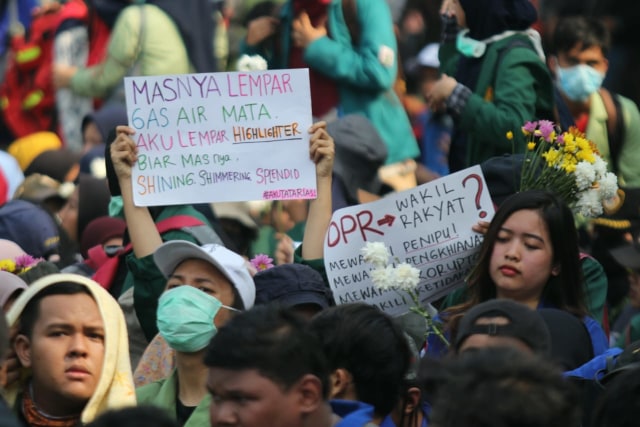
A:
{"x":115,"y":388}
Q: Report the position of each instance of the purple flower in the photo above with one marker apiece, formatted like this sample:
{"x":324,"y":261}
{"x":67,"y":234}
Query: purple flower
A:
{"x":262,"y":262}
{"x":560,"y":139}
{"x":546,"y":129}
{"x":26,"y":261}
{"x":530,"y":127}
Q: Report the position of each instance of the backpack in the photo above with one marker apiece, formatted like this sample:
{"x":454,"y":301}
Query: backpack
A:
{"x":27,"y":95}
{"x":109,"y":268}
{"x":615,"y":122}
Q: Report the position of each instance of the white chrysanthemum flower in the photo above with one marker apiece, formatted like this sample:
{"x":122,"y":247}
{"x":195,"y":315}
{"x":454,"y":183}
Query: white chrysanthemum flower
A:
{"x":375,"y":253}
{"x":589,"y":203}
{"x":608,"y":185}
{"x":407,"y":277}
{"x":585,"y":175}
{"x":98,"y":167}
{"x":251,"y":63}
{"x":600,"y":166}
{"x":383,"y":278}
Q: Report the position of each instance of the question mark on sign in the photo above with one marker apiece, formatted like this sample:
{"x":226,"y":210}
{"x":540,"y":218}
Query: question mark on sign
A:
{"x":478,"y":193}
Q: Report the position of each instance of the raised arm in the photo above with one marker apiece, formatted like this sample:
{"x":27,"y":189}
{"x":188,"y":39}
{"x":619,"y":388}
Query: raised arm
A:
{"x":145,"y":238}
{"x":322,"y":152}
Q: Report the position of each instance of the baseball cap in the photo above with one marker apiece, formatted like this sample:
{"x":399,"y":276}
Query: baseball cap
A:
{"x":11,"y":284}
{"x":30,"y":226}
{"x":291,"y":285}
{"x":360,"y":152}
{"x":524,"y":324}
{"x":627,"y":255}
{"x":238,"y":211}
{"x":170,"y":254}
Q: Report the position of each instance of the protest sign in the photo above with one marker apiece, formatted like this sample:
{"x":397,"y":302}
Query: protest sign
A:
{"x":428,"y":227}
{"x":215,"y":137}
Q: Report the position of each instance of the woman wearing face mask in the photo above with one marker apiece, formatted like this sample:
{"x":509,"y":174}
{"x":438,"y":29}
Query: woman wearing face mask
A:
{"x":205,"y":286}
{"x":494,"y":77}
{"x":580,"y":64}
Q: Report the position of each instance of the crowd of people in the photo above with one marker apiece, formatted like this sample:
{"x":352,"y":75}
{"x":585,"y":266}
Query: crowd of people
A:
{"x":222,"y":313}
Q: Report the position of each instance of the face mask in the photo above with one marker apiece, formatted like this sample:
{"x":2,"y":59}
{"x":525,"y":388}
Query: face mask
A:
{"x":185,"y":318}
{"x":116,"y":207}
{"x":469,"y":47}
{"x":579,"y":82}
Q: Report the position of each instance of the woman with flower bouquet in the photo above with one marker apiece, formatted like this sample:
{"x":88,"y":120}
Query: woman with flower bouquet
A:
{"x":562,"y":174}
{"x":529,"y":254}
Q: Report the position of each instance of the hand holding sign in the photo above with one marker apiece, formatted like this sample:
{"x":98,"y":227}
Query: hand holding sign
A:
{"x":429,"y":227}
{"x":124,"y":152}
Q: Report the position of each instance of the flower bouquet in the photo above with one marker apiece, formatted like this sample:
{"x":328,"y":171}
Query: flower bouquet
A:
{"x":402,"y":278}
{"x":19,"y":264}
{"x":568,"y":165}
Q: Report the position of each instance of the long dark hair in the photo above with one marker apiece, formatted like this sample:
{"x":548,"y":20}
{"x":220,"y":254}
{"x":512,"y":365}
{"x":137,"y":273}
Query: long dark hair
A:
{"x":564,"y":291}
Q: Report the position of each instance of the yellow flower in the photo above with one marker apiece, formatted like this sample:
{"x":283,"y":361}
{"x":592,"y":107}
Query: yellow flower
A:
{"x":570,"y":146}
{"x":583,"y":144}
{"x":509,"y":135}
{"x":531,"y":146}
{"x":551,"y":156}
{"x":7,"y":265}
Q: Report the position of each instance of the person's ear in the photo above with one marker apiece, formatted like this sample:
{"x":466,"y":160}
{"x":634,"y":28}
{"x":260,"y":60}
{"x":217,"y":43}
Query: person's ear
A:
{"x":412,"y":400}
{"x":555,"y":271}
{"x":310,"y":393}
{"x":340,"y":382}
{"x":22,"y":346}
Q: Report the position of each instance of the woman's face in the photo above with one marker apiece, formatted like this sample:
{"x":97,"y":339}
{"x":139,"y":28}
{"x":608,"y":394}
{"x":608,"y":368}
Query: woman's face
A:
{"x":522,"y":258}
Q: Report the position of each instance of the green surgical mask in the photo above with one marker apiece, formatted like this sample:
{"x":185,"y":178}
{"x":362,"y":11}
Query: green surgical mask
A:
{"x":471,"y":48}
{"x":185,"y":318}
{"x":116,"y":207}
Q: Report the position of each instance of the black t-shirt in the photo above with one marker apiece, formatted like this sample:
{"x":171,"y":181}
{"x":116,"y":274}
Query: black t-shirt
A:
{"x":183,"y":412}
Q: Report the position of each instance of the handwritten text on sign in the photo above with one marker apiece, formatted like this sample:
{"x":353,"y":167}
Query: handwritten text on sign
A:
{"x":221,"y":137}
{"x":428,"y":227}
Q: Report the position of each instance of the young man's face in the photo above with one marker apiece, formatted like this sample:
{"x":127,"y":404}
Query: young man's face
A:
{"x":65,"y":353}
{"x":592,"y":57}
{"x":246,"y":398}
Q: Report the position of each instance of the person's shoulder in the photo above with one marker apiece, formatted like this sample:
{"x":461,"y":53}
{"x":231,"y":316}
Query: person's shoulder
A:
{"x":629,"y":106}
{"x":153,"y":391}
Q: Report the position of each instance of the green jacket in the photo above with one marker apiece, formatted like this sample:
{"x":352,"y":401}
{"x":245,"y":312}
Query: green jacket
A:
{"x":143,"y":36}
{"x":513,"y":86}
{"x":365,"y":73}
{"x":162,"y":394}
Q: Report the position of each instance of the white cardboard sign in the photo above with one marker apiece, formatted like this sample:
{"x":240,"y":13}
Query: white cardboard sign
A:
{"x":428,"y":227}
{"x":215,"y":137}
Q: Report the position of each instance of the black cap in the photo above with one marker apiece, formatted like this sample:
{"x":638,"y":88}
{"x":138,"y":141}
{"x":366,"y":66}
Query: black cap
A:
{"x":524,"y":324}
{"x":360,"y":152}
{"x":627,"y":255}
{"x":292,"y":285}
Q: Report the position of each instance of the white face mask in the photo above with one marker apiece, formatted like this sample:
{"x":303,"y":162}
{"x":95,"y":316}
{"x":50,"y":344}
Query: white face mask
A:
{"x":471,"y":48}
{"x":579,"y":82}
